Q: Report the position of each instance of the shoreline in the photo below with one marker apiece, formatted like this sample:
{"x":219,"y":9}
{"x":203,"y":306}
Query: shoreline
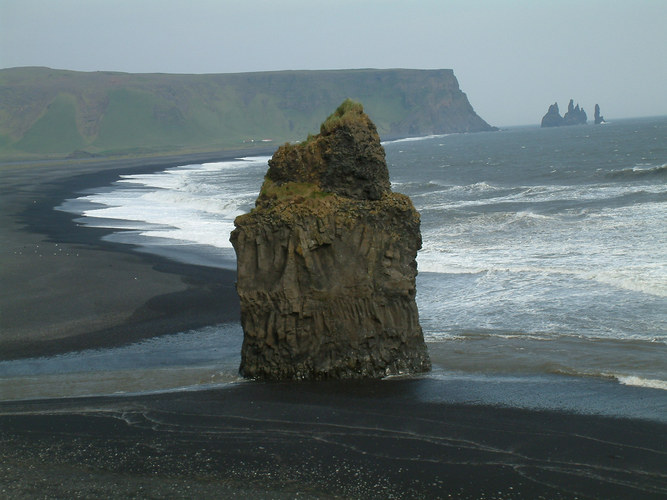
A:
{"x":65,"y":289}
{"x":426,"y":437}
{"x":356,"y":439}
{"x":561,"y":394}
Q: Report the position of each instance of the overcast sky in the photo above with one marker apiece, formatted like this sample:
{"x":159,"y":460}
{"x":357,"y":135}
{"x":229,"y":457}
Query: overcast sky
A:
{"x":512,"y":58}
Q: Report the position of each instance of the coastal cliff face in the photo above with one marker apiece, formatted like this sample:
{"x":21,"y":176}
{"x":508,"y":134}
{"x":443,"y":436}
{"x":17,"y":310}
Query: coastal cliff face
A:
{"x":81,"y":114}
{"x":327,"y":262}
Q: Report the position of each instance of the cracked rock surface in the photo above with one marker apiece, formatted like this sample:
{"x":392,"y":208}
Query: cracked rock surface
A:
{"x":327,"y":262}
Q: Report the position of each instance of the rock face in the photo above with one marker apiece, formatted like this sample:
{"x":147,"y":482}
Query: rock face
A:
{"x":552,"y":118}
{"x":574,"y":116}
{"x":598,"y":117}
{"x":326,"y":262}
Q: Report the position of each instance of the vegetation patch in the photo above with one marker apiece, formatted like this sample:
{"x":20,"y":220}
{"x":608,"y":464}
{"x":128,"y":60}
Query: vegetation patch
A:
{"x":52,"y":113}
{"x":346,"y":113}
{"x":55,"y":131}
{"x":293,"y":191}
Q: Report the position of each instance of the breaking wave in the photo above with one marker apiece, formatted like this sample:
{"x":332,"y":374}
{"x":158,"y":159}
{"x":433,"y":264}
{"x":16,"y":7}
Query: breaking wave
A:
{"x":641,"y":171}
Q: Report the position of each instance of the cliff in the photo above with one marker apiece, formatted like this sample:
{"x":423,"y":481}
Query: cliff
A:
{"x":46,"y":112}
{"x":327,"y":262}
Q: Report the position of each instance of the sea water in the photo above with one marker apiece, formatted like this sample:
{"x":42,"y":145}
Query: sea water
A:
{"x":544,"y":251}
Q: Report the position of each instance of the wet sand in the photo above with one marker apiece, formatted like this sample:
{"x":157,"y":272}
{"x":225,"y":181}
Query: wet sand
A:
{"x":321,"y":440}
{"x":63,"y":289}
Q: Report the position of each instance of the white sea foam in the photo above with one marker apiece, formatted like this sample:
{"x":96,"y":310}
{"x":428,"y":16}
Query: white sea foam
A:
{"x":641,"y":170}
{"x":625,"y":246}
{"x":253,"y":159}
{"x":483,"y":193}
{"x":192,"y":204}
{"x":642,"y":382}
{"x":414,"y":139}
{"x":650,"y":279}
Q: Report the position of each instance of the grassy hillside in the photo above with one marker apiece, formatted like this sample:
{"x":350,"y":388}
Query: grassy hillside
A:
{"x":53,"y":113}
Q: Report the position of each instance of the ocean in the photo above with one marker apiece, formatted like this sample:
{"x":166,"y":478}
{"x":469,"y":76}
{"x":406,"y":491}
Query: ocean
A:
{"x":544,"y":261}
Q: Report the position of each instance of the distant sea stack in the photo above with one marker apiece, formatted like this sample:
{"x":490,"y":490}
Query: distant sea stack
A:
{"x":327,"y":262}
{"x":55,"y":113}
{"x":574,"y":116}
{"x":553,"y":117}
{"x":598,"y":117}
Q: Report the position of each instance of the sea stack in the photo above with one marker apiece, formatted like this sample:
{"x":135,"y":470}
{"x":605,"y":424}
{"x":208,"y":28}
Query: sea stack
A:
{"x":598,"y":117}
{"x":574,"y":116}
{"x":552,"y":118}
{"x":327,"y":262}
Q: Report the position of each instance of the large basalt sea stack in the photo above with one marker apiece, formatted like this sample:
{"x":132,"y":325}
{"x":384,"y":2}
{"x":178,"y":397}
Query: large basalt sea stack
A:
{"x":327,"y":262}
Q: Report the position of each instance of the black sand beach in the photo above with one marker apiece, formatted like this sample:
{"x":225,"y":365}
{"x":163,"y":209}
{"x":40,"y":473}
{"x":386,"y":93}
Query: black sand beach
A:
{"x":63,"y":289}
{"x":321,"y":440}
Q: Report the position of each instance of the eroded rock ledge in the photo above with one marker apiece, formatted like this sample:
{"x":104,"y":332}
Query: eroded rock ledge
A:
{"x":327,"y":262}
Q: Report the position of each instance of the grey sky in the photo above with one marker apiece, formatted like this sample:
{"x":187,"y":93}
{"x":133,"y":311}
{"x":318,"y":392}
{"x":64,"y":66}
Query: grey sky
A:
{"x":512,"y":58}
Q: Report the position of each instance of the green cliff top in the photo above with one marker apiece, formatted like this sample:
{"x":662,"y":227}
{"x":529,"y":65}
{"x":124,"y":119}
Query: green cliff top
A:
{"x":47,"y":113}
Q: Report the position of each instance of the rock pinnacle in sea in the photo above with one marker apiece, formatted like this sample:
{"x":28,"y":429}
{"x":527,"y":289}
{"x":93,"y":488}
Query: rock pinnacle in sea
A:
{"x":327,"y":262}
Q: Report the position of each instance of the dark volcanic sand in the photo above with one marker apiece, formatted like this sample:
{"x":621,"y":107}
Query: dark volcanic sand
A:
{"x":321,"y":440}
{"x":62,"y":289}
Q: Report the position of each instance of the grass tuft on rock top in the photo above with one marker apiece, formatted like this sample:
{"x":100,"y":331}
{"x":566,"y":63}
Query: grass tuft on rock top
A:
{"x":347,"y":112}
{"x":291,"y":190}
